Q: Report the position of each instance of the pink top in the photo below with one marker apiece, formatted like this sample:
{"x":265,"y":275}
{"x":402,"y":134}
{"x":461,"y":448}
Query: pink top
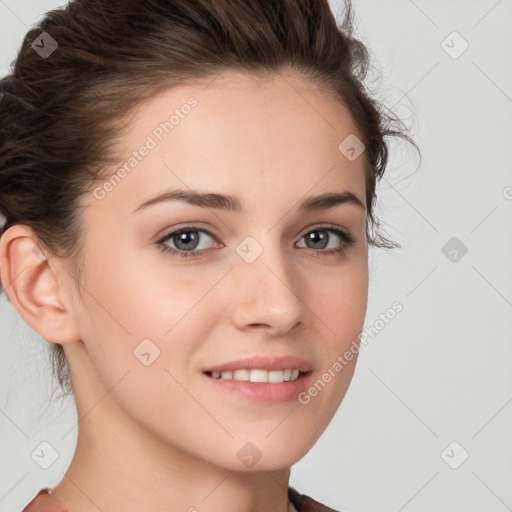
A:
{"x":44,"y":502}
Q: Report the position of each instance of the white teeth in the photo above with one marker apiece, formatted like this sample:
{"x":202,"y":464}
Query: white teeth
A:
{"x":257,"y":375}
{"x":275,"y":376}
{"x":241,"y":375}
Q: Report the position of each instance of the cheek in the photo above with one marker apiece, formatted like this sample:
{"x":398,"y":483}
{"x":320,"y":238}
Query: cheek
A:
{"x":129,"y":302}
{"x":144,"y":295}
{"x":340,"y":301}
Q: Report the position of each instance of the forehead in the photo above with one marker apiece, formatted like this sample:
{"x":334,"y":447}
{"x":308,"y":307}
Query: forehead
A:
{"x":228,"y":102}
{"x":239,"y":132}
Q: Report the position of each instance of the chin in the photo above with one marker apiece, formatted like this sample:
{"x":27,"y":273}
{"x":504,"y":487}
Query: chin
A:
{"x":269,"y":454}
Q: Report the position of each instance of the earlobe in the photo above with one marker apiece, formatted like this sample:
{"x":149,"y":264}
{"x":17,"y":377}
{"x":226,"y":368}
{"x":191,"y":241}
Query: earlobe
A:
{"x":31,"y":283}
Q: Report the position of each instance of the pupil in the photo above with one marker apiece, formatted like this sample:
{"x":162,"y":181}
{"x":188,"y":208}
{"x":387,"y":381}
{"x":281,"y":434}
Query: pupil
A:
{"x":318,"y":237}
{"x":185,"y":238}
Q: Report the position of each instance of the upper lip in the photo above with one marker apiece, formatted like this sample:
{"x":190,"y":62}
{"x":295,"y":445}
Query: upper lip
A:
{"x":263,"y":363}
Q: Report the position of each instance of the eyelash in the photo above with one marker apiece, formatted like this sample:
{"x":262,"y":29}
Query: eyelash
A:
{"x":346,"y":238}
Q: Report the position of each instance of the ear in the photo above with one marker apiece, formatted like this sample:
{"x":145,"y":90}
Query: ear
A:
{"x":32,"y":286}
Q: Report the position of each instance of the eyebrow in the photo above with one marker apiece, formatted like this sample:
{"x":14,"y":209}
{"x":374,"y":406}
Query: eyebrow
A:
{"x":231,"y":203}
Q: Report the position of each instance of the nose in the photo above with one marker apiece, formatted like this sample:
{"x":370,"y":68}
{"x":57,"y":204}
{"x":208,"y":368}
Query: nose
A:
{"x":266,"y":293}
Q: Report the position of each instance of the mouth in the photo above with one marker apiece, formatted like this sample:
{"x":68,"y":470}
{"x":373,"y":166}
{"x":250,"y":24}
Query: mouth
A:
{"x":259,"y":375}
{"x":259,"y":385}
{"x":262,"y":379}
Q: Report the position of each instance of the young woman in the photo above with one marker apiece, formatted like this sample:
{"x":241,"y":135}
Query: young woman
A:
{"x":188,"y":188}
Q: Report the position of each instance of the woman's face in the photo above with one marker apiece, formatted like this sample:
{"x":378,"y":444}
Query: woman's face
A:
{"x":259,"y":275}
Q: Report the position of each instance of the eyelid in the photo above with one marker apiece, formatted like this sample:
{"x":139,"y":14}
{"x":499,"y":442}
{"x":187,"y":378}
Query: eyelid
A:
{"x":185,"y":226}
{"x":325,"y":226}
{"x":212,"y":232}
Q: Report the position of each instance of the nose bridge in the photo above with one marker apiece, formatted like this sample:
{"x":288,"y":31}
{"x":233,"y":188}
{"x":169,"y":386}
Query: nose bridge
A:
{"x":266,"y":289}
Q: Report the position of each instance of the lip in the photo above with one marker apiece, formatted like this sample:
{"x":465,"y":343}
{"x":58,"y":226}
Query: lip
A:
{"x":263,"y":363}
{"x":263,"y":392}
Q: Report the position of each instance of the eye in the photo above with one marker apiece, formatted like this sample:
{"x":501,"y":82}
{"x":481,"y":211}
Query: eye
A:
{"x":328,"y":240}
{"x":187,"y":241}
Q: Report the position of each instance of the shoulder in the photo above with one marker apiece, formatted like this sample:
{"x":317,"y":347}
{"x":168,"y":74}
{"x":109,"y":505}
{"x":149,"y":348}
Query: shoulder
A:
{"x":304,"y":503}
{"x":43,"y":502}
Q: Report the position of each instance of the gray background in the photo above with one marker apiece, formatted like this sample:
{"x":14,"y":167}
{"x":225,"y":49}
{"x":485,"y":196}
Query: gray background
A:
{"x":434,"y":384}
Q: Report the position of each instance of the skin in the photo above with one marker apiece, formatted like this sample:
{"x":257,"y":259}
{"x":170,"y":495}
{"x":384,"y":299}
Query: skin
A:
{"x":161,"y":437}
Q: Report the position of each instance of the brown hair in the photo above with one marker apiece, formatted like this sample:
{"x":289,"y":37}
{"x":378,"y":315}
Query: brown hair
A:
{"x":61,"y":114}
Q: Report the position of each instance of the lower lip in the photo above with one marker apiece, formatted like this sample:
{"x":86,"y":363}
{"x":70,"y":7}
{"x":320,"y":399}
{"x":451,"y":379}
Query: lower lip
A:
{"x":264,"y":392}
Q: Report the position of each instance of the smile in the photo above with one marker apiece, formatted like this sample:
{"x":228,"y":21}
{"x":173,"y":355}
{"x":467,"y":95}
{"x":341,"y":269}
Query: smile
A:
{"x":258,"y":375}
